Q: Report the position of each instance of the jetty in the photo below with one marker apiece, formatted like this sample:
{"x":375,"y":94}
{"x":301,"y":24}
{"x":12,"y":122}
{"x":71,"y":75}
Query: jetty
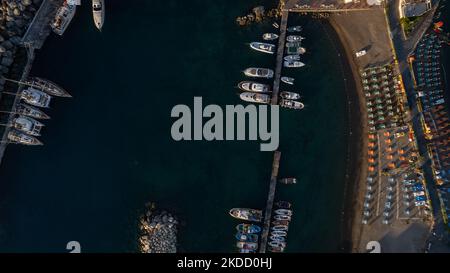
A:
{"x":269,"y":204}
{"x":280,"y":52}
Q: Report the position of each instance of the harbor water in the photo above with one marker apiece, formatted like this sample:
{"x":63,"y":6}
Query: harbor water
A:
{"x":108,"y":150}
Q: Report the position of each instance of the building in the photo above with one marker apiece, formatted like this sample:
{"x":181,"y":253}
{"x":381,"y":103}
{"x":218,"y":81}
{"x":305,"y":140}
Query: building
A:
{"x":411,"y":8}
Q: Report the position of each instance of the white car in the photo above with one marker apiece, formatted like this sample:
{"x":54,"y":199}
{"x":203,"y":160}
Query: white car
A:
{"x":418,"y":193}
{"x":420,"y":203}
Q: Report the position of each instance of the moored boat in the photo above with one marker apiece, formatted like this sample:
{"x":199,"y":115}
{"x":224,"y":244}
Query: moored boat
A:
{"x":63,"y":17}
{"x":98,"y":12}
{"x":291,"y":58}
{"x":28,"y":125}
{"x":289,"y":95}
{"x":248,"y":228}
{"x":292,"y":104}
{"x":283,"y":212}
{"x":276,"y":249}
{"x":280,"y":223}
{"x":279,"y":233}
{"x":277,"y":244}
{"x":30,"y":111}
{"x":282,"y":217}
{"x":48,"y":87}
{"x":288,"y":180}
{"x":254,"y":87}
{"x":255,"y":97}
{"x":259,"y":72}
{"x":247,"y":245}
{"x":270,"y":36}
{"x":277,"y":238}
{"x":242,"y":250}
{"x":283,"y":204}
{"x":294,"y":29}
{"x":293,"y":64}
{"x":287,"y":80}
{"x":22,"y":138}
{"x":294,"y":38}
{"x":263,"y":47}
{"x":247,"y":237}
{"x":36,"y":97}
{"x":285,"y":228}
{"x":246,"y":214}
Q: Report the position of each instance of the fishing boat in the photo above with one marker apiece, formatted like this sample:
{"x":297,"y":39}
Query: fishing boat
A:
{"x":242,"y":250}
{"x":63,"y":17}
{"x":30,"y":111}
{"x":248,"y":228}
{"x":283,"y":212}
{"x":292,"y":104}
{"x":247,"y":245}
{"x":246,"y":214}
{"x":280,"y":223}
{"x":294,"y":38}
{"x":255,"y":97}
{"x":247,"y":237}
{"x":263,"y":47}
{"x":285,"y":228}
{"x":289,"y":95}
{"x":21,"y":138}
{"x":291,"y":58}
{"x":36,"y":97}
{"x":276,"y":249}
{"x":282,"y":217}
{"x":270,"y":36}
{"x":254,"y":87}
{"x":294,"y":48}
{"x":258,"y":72}
{"x":277,"y":238}
{"x":28,"y":125}
{"x":279,"y":233}
{"x":293,"y":64}
{"x":287,"y":80}
{"x":277,"y":244}
{"x":48,"y":87}
{"x":288,"y":180}
{"x":98,"y":12}
{"x":283,"y":204}
{"x":294,"y":29}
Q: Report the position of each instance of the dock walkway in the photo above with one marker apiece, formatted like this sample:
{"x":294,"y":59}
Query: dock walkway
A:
{"x":280,"y":52}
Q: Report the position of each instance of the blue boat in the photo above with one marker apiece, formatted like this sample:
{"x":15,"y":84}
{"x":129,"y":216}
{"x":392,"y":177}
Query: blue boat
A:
{"x":253,"y":238}
{"x":248,"y":228}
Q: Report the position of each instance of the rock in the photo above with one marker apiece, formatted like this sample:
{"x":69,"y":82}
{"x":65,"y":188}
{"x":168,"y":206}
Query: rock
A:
{"x":27,"y":2}
{"x":7,"y":61}
{"x":2,"y":49}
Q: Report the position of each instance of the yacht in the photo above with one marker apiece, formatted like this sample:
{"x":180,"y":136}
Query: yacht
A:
{"x":289,"y":95}
{"x":263,"y":47}
{"x":98,"y":12}
{"x":254,"y":87}
{"x":283,"y":212}
{"x":21,"y":138}
{"x":28,"y":125}
{"x":48,"y":87}
{"x":293,"y":64}
{"x":36,"y":97}
{"x":292,"y":104}
{"x":259,"y":72}
{"x":255,"y":97}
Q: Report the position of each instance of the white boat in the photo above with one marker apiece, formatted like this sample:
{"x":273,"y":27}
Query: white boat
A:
{"x":277,"y":238}
{"x":98,"y":12}
{"x":280,"y":227}
{"x":295,"y":64}
{"x":361,"y":53}
{"x":63,"y":17}
{"x":294,"y":29}
{"x":291,"y":58}
{"x":277,"y":244}
{"x":294,"y":38}
{"x":289,"y":95}
{"x":282,"y":217}
{"x":279,"y":233}
{"x":263,"y":47}
{"x":21,"y":138}
{"x":36,"y":97}
{"x":255,"y":97}
{"x":292,"y":104}
{"x":28,"y":125}
{"x":254,"y":87}
{"x":259,"y":72}
{"x":287,"y":80}
{"x":283,"y":212}
{"x":48,"y":87}
{"x":270,"y":36}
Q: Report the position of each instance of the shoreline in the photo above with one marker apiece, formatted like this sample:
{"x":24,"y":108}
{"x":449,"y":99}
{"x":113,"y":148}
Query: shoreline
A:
{"x":357,"y":138}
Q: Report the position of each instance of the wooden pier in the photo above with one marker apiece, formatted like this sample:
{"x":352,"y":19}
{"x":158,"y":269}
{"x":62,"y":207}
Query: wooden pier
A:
{"x":270,"y":198}
{"x":280,"y":52}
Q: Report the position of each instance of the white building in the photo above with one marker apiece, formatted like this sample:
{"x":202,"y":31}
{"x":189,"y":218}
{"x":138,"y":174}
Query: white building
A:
{"x":411,"y":8}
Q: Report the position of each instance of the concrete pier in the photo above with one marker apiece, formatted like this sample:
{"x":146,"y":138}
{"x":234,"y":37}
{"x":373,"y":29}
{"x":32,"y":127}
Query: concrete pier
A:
{"x":270,"y":198}
{"x":280,"y":53}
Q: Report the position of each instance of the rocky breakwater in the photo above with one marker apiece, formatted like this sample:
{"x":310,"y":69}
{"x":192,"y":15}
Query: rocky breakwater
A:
{"x":158,"y":231}
{"x":15,"y":16}
{"x":257,"y":15}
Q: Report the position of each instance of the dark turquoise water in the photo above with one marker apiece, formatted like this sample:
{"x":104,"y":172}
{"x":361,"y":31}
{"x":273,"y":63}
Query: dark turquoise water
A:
{"x":109,"y":150}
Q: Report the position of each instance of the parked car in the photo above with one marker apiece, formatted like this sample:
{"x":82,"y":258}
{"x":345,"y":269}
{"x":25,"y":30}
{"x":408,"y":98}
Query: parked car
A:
{"x":419,"y":193}
{"x":421,"y":198}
